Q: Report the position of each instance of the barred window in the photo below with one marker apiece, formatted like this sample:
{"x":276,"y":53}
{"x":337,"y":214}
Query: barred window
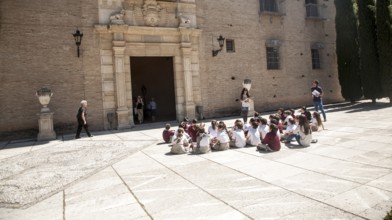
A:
{"x":230,"y":47}
{"x":311,"y":8}
{"x":272,"y":58}
{"x":268,"y":6}
{"x":316,"y":59}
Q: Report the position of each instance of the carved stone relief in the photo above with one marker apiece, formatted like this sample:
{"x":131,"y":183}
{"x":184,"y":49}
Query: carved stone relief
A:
{"x":150,"y":13}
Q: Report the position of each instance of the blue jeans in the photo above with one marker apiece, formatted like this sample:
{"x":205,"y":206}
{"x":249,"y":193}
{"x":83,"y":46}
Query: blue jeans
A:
{"x":292,"y":136}
{"x":318,"y":105}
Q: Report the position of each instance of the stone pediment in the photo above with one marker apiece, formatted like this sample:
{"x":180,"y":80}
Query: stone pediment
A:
{"x":150,"y":13}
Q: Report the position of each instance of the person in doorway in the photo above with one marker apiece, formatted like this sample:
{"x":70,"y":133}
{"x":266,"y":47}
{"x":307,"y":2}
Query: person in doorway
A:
{"x":82,"y":119}
{"x":317,"y":93}
{"x":139,"y":109}
{"x":244,"y":98}
{"x":152,"y":106}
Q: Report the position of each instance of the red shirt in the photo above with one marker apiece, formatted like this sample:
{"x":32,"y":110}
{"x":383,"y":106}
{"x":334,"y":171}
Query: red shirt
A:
{"x":193,"y":133}
{"x":272,"y":140}
{"x":167,"y":134}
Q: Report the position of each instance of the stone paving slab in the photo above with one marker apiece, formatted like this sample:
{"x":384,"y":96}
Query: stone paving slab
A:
{"x":30,"y":177}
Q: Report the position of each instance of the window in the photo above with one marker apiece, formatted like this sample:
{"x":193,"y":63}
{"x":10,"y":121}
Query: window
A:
{"x":315,"y":59}
{"x":230,"y":48}
{"x":311,"y":8}
{"x":268,"y":6}
{"x":272,"y":58}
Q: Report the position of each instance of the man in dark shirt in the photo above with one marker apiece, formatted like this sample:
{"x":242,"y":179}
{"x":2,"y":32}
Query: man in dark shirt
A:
{"x":82,"y":119}
{"x":317,"y":93}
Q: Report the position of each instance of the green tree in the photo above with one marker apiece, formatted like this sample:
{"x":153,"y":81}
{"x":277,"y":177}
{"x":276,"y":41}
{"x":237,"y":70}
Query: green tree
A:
{"x":384,"y":43}
{"x":347,"y":50}
{"x":368,"y":56}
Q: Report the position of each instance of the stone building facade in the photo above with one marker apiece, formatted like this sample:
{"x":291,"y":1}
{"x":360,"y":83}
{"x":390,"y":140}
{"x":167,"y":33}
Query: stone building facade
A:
{"x":282,"y":46}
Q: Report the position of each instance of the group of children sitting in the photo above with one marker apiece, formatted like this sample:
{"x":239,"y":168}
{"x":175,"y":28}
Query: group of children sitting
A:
{"x":266,"y":135}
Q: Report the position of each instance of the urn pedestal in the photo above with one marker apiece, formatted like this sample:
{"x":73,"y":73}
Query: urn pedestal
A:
{"x":45,"y":123}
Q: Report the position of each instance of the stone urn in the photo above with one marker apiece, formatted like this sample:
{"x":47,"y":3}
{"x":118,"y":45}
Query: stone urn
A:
{"x":44,"y":94}
{"x":247,"y":84}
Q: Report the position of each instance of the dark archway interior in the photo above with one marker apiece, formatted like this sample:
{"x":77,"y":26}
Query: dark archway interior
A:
{"x":153,"y":77}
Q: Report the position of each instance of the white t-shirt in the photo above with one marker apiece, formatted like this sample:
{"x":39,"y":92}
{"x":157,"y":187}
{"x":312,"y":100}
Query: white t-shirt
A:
{"x":239,"y":137}
{"x":245,"y":104}
{"x":223,"y":137}
{"x":288,"y":118}
{"x":183,"y":140}
{"x":290,"y":128}
{"x":213,"y":132}
{"x":205,"y":140}
{"x":314,"y":122}
{"x":254,"y":136}
{"x":263,"y":129}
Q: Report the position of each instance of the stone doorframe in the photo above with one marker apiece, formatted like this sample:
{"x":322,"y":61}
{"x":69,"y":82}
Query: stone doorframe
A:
{"x":120,"y":42}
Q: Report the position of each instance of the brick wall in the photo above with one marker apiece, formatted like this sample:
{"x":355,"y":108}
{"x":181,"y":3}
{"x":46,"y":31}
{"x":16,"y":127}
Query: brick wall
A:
{"x":37,"y":49}
{"x":287,"y":87}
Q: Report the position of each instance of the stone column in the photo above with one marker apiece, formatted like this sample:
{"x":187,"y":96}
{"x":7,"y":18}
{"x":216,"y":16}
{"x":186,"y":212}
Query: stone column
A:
{"x":186,"y":49}
{"x":121,"y":90}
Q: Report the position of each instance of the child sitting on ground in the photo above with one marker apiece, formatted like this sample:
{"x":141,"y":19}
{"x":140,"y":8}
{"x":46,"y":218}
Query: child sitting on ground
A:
{"x":253,"y":137}
{"x":289,"y":130}
{"x":193,"y":130}
{"x":180,"y":143}
{"x":316,"y":124}
{"x":222,"y":141}
{"x":303,"y":133}
{"x":263,"y":127}
{"x":287,"y":117}
{"x":167,"y":134}
{"x":213,"y":129}
{"x":238,"y":139}
{"x":203,"y":142}
{"x":271,"y":141}
{"x":306,"y":113}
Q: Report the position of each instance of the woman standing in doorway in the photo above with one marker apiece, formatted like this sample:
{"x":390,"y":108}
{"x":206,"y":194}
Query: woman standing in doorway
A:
{"x":244,"y":104}
{"x":139,"y":109}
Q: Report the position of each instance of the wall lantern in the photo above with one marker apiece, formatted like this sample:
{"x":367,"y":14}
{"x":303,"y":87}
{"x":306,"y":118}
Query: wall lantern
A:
{"x":221,"y":41}
{"x":78,"y":38}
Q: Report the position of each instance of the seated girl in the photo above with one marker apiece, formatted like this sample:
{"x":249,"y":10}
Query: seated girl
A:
{"x":180,"y":143}
{"x":303,"y":133}
{"x":222,"y":140}
{"x":253,"y":137}
{"x":316,"y":123}
{"x":263,"y":127}
{"x":167,"y":134}
{"x":291,"y":126}
{"x":238,"y":139}
{"x":271,"y":141}
{"x":203,"y":142}
{"x":213,"y":129}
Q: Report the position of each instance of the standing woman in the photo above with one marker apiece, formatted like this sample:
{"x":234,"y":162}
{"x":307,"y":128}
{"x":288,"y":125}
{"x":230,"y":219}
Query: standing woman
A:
{"x":139,"y":108}
{"x":82,"y":119}
{"x":244,"y":104}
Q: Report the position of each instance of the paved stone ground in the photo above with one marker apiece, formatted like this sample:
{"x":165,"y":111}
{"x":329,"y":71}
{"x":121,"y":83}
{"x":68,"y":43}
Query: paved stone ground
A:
{"x":130,"y":175}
